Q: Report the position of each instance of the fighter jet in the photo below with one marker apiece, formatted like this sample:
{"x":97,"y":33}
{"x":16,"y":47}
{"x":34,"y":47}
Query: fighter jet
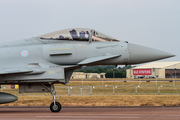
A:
{"x":37,"y":63}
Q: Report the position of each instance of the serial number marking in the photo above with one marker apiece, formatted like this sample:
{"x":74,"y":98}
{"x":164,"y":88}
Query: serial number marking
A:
{"x":51,"y":72}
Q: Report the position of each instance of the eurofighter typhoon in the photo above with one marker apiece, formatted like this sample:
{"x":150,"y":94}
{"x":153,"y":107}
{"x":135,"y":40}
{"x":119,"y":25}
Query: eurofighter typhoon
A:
{"x":36,"y":64}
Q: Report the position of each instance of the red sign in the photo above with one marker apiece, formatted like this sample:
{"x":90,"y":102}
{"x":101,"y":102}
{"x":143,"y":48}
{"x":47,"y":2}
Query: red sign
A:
{"x":142,"y":71}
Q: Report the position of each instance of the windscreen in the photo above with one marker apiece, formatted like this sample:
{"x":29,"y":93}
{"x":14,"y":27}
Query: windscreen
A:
{"x":100,"y":37}
{"x":78,"y":34}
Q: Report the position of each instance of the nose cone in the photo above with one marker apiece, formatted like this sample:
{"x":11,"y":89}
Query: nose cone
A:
{"x":141,"y":54}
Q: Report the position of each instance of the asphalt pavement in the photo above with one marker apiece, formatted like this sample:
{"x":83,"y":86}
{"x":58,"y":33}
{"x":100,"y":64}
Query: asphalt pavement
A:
{"x":88,"y":113}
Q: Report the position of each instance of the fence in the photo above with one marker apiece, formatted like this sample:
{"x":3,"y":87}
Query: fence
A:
{"x":105,"y":90}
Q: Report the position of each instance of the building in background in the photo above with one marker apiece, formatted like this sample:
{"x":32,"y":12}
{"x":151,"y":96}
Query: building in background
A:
{"x":155,"y":70}
{"x":80,"y":75}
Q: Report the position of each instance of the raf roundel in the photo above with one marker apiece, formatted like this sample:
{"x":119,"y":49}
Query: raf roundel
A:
{"x":24,"y":53}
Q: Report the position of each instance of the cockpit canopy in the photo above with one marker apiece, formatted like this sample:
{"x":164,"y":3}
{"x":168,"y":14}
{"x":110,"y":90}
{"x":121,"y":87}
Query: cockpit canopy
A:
{"x":78,"y":34}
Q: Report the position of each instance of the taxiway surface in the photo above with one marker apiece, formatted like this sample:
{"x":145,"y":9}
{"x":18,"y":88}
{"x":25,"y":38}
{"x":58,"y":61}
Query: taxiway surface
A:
{"x":69,"y":113}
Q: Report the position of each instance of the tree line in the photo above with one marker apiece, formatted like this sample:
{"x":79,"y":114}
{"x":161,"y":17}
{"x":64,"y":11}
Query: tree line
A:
{"x":111,"y":70}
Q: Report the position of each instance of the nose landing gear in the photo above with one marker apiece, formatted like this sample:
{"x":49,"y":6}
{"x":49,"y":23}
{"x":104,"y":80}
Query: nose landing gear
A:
{"x":55,"y":106}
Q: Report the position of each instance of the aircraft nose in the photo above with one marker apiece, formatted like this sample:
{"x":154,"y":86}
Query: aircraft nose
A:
{"x":141,"y":54}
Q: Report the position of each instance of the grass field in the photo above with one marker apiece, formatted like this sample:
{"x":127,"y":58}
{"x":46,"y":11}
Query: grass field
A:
{"x":113,"y":100}
{"x":97,"y":99}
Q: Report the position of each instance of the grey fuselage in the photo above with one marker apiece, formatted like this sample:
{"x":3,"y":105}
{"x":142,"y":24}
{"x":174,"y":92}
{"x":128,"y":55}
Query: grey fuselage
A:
{"x":55,"y":60}
{"x":51,"y":54}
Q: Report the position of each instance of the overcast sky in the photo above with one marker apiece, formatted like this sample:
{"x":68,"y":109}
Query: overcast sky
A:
{"x":152,"y":23}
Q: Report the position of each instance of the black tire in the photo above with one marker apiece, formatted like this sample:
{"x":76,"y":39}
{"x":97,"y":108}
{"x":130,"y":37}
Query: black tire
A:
{"x":55,"y":108}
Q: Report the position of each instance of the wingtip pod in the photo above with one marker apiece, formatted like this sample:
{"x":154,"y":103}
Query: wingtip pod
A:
{"x":142,"y":54}
{"x":7,"y":98}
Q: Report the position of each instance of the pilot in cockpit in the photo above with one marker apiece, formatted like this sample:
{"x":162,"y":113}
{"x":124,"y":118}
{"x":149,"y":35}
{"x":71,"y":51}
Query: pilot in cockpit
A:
{"x":82,"y":35}
{"x":74,"y":34}
{"x":61,"y":37}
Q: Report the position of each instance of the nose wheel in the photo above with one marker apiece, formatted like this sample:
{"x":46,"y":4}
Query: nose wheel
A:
{"x":55,"y":107}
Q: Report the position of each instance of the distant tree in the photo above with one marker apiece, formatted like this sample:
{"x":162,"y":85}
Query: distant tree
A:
{"x":90,"y":70}
{"x":109,"y":74}
{"x":117,"y":73}
{"x":119,"y":68}
{"x":120,"y":72}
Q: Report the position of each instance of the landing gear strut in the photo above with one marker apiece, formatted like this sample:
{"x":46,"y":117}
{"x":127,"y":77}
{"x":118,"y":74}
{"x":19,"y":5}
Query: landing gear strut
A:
{"x":55,"y":106}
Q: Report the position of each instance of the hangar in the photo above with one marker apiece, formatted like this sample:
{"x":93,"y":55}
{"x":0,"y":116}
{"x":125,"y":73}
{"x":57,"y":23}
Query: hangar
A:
{"x":80,"y":75}
{"x":155,"y":70}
